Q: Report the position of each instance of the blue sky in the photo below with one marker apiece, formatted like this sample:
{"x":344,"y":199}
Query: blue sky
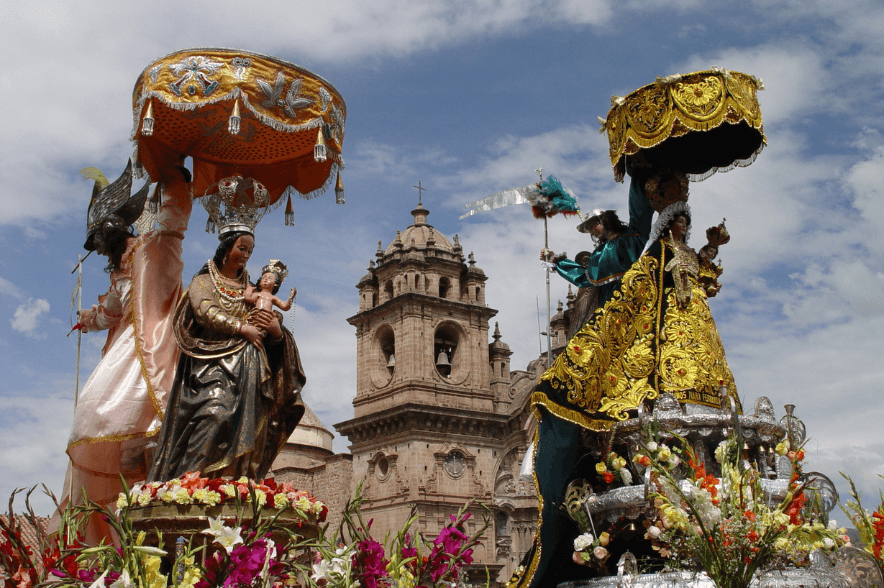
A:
{"x":469,"y":98}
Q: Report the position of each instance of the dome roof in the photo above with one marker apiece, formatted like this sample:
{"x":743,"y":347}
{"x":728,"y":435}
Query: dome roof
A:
{"x":311,"y":432}
{"x":418,"y":234}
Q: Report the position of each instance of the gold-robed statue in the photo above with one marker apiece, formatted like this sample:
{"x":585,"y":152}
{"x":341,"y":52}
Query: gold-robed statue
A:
{"x":654,"y":334}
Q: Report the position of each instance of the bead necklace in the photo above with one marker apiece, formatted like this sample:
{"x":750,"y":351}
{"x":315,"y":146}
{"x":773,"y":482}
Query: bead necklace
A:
{"x":227,"y":294}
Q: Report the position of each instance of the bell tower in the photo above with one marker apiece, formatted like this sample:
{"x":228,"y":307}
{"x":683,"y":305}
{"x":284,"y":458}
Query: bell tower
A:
{"x":432,"y":420}
{"x":422,"y":325}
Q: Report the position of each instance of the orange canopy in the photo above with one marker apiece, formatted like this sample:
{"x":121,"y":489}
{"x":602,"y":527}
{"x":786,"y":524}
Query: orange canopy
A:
{"x":239,"y":113}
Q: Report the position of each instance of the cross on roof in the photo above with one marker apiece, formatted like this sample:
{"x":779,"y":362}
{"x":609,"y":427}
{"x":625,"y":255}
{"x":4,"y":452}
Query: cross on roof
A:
{"x":420,"y":192}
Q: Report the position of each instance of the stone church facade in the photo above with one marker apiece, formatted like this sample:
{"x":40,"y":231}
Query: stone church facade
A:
{"x":440,"y":418}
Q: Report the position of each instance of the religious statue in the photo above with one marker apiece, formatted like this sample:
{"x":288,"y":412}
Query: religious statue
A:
{"x":121,"y":406}
{"x":236,"y":395}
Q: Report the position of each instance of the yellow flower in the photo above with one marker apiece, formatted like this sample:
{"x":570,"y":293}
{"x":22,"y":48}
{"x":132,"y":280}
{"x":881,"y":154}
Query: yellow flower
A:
{"x":200,"y":494}
{"x":261,"y":496}
{"x":212,"y":498}
{"x":601,"y":468}
{"x":783,"y":447}
{"x":280,"y":501}
{"x":229,"y":490}
{"x":143,"y":499}
{"x":182,"y":496}
{"x":122,"y":500}
{"x":604,"y":539}
{"x":619,"y":463}
{"x":152,"y":575}
{"x":664,"y":454}
{"x":191,"y":574}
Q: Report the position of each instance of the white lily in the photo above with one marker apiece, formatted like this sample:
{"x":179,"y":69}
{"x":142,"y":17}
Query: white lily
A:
{"x":99,"y":581}
{"x":216,"y":527}
{"x":123,"y":581}
{"x":228,"y":537}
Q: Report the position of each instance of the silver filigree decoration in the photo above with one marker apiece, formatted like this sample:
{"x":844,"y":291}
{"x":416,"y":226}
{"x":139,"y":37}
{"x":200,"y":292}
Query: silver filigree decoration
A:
{"x":859,"y":568}
{"x":325,"y":98}
{"x":668,"y":80}
{"x":821,"y":491}
{"x":240,"y":65}
{"x":292,"y":100}
{"x":337,"y":124}
{"x":195,"y":69}
{"x":627,"y":570}
{"x":795,"y":428}
{"x":154,"y":72}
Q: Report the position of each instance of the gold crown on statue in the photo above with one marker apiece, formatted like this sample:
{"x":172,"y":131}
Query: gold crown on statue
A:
{"x":277,"y":267}
{"x":235,"y":204}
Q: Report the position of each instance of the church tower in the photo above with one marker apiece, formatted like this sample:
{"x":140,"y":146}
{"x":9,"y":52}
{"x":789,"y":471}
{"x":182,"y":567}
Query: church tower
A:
{"x":430,"y":416}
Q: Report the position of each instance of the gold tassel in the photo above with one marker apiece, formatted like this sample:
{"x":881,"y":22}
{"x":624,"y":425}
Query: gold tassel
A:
{"x":234,"y":120}
{"x":147,"y":121}
{"x":339,"y":190}
{"x":289,"y":213}
{"x":320,"y":151}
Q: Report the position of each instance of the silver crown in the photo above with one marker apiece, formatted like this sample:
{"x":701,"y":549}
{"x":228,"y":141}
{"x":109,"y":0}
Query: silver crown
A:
{"x":235,"y":204}
{"x":277,"y":267}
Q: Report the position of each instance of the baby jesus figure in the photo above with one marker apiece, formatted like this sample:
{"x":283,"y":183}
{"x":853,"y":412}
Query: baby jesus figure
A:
{"x":272,"y":276}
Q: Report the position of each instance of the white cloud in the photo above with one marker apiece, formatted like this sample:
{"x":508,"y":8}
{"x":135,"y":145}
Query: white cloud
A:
{"x":7,"y":287}
{"x":27,"y":316}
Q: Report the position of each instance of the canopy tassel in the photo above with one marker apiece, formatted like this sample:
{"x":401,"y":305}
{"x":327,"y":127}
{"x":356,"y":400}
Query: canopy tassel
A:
{"x":234,"y":120}
{"x":147,"y":121}
{"x":289,"y":213}
{"x":320,"y":151}
{"x":339,"y":190}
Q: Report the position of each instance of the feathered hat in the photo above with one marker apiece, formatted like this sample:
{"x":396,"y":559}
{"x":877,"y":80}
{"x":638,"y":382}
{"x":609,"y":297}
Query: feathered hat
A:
{"x":111,"y":204}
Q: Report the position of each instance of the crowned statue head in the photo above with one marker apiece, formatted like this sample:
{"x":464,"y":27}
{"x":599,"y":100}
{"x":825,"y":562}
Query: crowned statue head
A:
{"x":235,"y":205}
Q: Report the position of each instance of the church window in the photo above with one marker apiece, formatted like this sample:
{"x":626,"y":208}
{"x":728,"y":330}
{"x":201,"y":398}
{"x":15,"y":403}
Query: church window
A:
{"x":500,"y":522}
{"x":384,"y":356}
{"x":388,"y":289}
{"x":444,"y":287}
{"x":451,"y":362}
{"x":382,"y":466}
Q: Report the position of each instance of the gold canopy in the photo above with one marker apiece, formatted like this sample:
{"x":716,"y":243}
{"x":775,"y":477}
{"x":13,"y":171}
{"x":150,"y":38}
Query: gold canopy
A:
{"x":239,"y":113}
{"x":680,"y":121}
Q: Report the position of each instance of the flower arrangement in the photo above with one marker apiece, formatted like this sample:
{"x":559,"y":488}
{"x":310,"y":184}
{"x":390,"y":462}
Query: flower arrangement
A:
{"x":869,"y":525}
{"x":725,"y":525}
{"x":592,"y":551}
{"x":352,"y":558}
{"x":193,"y":489}
{"x":21,"y":565}
{"x":614,"y":468}
{"x":245,"y":554}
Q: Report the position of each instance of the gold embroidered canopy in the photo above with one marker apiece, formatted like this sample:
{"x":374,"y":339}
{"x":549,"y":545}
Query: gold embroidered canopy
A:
{"x":699,"y":123}
{"x":239,"y":113}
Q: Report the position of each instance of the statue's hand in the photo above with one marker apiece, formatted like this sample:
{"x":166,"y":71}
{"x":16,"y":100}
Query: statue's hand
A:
{"x":547,"y":255}
{"x":252,"y":334}
{"x":266,"y":321}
